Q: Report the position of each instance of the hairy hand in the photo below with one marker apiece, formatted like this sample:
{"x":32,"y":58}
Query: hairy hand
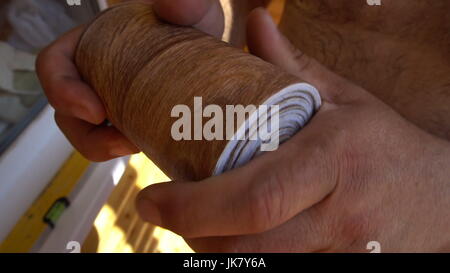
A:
{"x":358,"y":172}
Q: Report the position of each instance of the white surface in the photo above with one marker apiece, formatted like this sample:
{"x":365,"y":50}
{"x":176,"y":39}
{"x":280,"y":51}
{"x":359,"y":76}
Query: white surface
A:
{"x":28,"y":166}
{"x":91,"y":194}
{"x":297,"y":104}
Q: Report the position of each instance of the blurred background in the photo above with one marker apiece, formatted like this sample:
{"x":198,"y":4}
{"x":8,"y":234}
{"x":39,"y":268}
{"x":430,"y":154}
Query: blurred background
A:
{"x":51,"y":198}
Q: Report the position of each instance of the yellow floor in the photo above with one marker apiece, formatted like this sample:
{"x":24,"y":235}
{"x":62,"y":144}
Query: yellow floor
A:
{"x":118,"y":228}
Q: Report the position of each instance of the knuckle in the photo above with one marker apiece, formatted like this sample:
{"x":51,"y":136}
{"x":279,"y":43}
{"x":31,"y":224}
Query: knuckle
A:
{"x":53,"y":96}
{"x":352,"y":161}
{"x":266,"y":202}
{"x":339,"y":90}
{"x":59,"y":95}
{"x":83,"y":147}
{"x":323,"y":158}
{"x":105,"y":149}
{"x":302,"y":59}
{"x":95,"y":155}
{"x":41,"y":60}
{"x":55,"y":99}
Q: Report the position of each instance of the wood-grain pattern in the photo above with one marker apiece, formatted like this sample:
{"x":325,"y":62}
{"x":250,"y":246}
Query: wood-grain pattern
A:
{"x":141,"y":68}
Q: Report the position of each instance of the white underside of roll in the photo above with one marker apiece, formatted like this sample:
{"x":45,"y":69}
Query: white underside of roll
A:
{"x":297,"y":104}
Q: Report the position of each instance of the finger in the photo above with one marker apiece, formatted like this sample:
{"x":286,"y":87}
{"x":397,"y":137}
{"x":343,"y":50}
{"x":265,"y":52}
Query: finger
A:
{"x":64,"y":88}
{"x":311,"y":235}
{"x":247,"y":200}
{"x":96,"y":143}
{"x":266,"y":42}
{"x":206,"y":15}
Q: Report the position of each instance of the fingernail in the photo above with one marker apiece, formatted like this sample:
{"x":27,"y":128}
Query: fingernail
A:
{"x":89,"y":112}
{"x":148,"y":211}
{"x":269,"y":21}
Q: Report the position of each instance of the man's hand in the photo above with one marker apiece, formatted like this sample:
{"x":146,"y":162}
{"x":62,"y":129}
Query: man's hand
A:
{"x":357,"y":173}
{"x":79,"y":112}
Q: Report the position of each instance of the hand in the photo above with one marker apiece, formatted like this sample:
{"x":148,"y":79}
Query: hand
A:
{"x":358,"y":172}
{"x":79,"y":112}
{"x":409,"y":73}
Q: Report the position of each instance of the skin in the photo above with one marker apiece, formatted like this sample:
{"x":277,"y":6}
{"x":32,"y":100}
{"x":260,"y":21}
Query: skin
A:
{"x":359,"y":172}
{"x":399,"y":52}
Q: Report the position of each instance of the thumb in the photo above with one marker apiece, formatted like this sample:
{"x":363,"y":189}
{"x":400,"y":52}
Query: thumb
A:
{"x":267,"y":42}
{"x":205,"y":15}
